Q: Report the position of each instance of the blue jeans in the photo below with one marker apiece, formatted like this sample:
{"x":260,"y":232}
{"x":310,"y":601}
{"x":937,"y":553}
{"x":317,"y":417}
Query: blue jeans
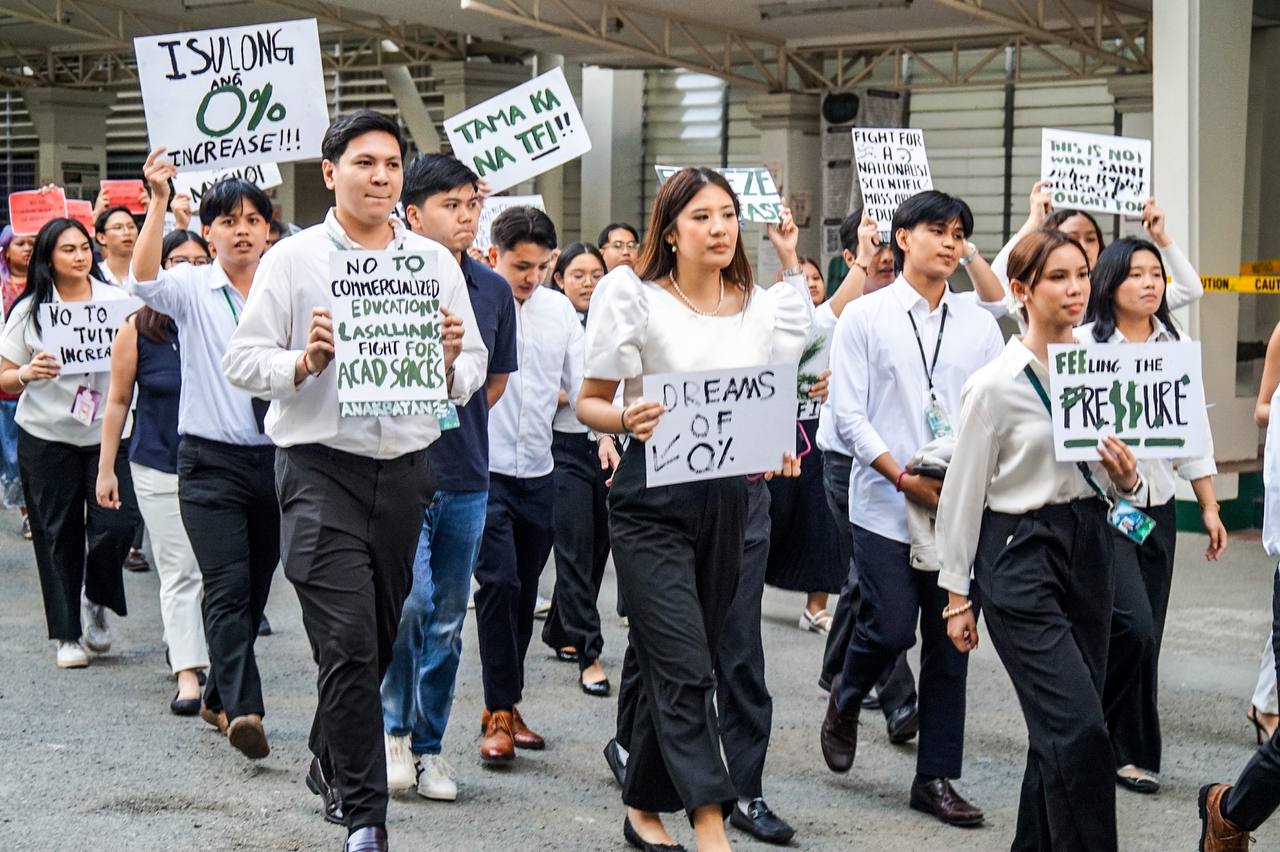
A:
{"x":10,"y":481}
{"x":417,"y":691}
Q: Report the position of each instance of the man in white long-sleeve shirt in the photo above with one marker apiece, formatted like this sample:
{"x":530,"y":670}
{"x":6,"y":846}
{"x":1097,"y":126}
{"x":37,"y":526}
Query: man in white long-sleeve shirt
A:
{"x":352,"y":489}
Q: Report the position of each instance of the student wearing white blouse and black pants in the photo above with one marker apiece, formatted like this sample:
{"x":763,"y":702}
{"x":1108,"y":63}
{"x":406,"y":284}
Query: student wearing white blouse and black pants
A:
{"x":1035,"y":532}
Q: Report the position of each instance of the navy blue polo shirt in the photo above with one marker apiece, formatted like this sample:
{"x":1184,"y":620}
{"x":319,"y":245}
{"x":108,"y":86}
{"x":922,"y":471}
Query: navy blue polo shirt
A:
{"x":460,"y":457}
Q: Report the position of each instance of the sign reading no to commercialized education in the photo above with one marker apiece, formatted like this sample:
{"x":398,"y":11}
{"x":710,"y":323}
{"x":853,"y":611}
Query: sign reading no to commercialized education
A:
{"x":1092,"y":171}
{"x":234,"y":97}
{"x":1149,"y":395}
{"x":720,"y":423}
{"x":892,"y":167}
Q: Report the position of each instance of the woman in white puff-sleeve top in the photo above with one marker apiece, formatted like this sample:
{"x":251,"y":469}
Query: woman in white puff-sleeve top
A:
{"x":678,"y":548}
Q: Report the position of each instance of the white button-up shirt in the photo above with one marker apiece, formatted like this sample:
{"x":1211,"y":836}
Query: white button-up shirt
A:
{"x":880,"y":393}
{"x":549,"y":350}
{"x":292,"y":279}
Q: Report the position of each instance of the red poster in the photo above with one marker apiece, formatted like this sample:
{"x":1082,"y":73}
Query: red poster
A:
{"x":82,"y":212}
{"x":28,"y":211}
{"x":128,"y":193}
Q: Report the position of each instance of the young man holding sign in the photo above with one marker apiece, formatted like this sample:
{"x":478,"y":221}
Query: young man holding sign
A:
{"x":353,"y":486}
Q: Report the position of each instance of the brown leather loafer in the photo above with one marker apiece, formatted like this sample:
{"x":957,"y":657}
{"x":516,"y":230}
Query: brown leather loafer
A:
{"x":523,"y":735}
{"x":498,"y":745}
{"x":839,"y":734}
{"x":216,"y":718}
{"x":1217,"y":833}
{"x":248,"y":736}
{"x":939,"y":798}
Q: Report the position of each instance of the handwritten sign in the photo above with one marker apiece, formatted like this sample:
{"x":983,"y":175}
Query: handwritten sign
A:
{"x":237,"y":96}
{"x":1091,"y":171}
{"x":30,"y":210}
{"x":1149,"y":395}
{"x":386,"y":318}
{"x":195,"y":184}
{"x":720,"y":423}
{"x":757,"y":193}
{"x":495,"y":205}
{"x":892,"y":167}
{"x":128,"y":193}
{"x":80,"y":333}
{"x":82,"y":212}
{"x":521,"y":133}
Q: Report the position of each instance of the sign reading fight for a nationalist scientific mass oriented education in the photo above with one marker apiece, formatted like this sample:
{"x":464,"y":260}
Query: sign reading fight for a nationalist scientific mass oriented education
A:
{"x":892,"y":167}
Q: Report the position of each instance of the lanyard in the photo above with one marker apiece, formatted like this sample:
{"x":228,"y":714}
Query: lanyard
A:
{"x":230,"y":304}
{"x":1084,"y":468}
{"x":929,"y":368}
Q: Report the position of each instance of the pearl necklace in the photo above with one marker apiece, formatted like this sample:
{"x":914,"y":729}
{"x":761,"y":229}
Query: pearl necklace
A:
{"x":684,"y":298}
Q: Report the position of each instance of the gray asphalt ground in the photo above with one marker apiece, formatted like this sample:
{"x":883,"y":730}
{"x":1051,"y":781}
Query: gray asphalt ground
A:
{"x":91,"y":759}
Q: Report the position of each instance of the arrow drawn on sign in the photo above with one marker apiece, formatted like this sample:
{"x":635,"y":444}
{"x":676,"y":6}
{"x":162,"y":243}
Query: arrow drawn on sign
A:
{"x":665,"y":458}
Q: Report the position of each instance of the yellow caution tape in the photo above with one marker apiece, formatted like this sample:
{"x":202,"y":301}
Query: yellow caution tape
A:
{"x":1261,"y":267}
{"x":1241,"y":283}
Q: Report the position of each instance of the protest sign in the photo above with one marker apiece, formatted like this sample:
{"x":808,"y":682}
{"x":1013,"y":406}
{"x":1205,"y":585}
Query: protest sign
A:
{"x":521,"y":133}
{"x":756,"y":191}
{"x":237,"y":96}
{"x":80,"y":333}
{"x":1149,"y":395}
{"x":30,"y":210}
{"x":892,"y":167}
{"x":495,"y":205}
{"x":386,"y":318}
{"x":1092,"y":171}
{"x":128,"y":193}
{"x":82,"y":212}
{"x":720,"y":423}
{"x":194,"y":184}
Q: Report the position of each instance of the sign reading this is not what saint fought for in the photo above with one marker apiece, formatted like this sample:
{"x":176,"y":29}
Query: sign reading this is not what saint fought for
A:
{"x":1092,"y":171}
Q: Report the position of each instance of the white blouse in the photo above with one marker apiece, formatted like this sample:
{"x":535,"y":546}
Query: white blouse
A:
{"x":637,"y":328}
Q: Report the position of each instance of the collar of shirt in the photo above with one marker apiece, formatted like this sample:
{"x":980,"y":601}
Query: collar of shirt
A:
{"x":333,"y":229}
{"x":1016,"y":355}
{"x":909,"y":297}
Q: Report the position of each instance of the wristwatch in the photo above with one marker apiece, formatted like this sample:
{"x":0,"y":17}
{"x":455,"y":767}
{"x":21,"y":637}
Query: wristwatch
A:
{"x":972,"y":253}
{"x":792,"y":270}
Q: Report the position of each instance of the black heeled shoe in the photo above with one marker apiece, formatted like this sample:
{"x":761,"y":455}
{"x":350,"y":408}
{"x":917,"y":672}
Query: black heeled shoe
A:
{"x":598,"y":689}
{"x":629,"y":834}
{"x":566,"y":656}
{"x":184,"y":706}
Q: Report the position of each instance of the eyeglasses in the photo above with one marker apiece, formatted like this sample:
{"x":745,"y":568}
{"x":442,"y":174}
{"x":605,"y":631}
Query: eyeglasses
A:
{"x":123,"y":227}
{"x":619,"y":245}
{"x":194,"y":261}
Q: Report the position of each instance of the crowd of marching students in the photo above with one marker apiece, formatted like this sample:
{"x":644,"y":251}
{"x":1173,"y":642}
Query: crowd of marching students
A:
{"x":923,"y":488}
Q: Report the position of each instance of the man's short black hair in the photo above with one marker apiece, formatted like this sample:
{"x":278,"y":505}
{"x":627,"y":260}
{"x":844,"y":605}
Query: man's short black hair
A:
{"x":615,"y":226}
{"x":347,"y":127}
{"x":930,"y":207}
{"x":517,"y":225}
{"x":849,"y":232}
{"x":275,"y":226}
{"x":227,"y":196}
{"x":100,"y":224}
{"x":430,"y":174}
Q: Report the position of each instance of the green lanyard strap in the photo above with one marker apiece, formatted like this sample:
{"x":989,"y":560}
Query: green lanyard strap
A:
{"x":235,"y":316}
{"x":1083,"y":468}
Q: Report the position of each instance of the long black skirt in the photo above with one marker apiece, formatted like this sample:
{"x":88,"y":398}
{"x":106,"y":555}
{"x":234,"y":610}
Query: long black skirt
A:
{"x":804,"y":547}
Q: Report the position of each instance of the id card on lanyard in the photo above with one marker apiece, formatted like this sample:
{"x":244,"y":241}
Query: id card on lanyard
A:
{"x":934,"y":414}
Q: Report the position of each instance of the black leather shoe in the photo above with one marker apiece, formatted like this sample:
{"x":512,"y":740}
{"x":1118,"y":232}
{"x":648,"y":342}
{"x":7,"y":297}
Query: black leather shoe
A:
{"x":639,"y":842}
{"x":762,"y":823}
{"x":566,"y":656}
{"x":617,"y":765}
{"x":871,"y":701}
{"x":370,"y":838}
{"x":184,"y":706}
{"x":264,"y":626}
{"x":839,"y":733}
{"x":939,"y":798}
{"x":599,"y":689}
{"x":318,"y":784}
{"x":903,"y":724}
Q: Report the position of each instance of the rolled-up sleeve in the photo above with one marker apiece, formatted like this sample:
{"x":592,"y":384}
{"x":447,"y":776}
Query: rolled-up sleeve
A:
{"x":616,"y":327}
{"x":169,"y":293}
{"x":1185,"y":286}
{"x":964,"y":494}
{"x":850,"y":363}
{"x":258,"y":357}
{"x":470,"y":368}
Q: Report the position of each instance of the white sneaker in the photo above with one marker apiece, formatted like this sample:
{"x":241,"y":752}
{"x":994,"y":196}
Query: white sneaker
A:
{"x":71,"y":655}
{"x":402,"y":774}
{"x":435,"y":781}
{"x":97,"y":633}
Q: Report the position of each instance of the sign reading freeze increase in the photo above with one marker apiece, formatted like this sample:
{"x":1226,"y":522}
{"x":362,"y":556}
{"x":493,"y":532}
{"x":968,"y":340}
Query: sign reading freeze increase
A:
{"x":386,"y":319}
{"x":757,"y":193}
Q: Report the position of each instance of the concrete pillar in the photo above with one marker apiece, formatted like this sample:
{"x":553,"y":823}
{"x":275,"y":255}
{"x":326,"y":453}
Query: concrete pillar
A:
{"x":613,"y":110}
{"x":1261,"y":237}
{"x":413,"y":112}
{"x":551,"y":185}
{"x":791,"y":147}
{"x":72,"y":127}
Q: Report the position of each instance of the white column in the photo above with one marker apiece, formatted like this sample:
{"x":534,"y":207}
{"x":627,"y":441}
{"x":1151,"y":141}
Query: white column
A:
{"x":790,"y":146}
{"x":612,"y":176}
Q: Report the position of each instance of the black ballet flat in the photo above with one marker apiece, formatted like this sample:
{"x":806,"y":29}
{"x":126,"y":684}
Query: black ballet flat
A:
{"x":639,"y":842}
{"x":598,"y":689}
{"x":566,"y":656}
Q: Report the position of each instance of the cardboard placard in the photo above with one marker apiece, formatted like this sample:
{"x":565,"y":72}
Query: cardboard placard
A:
{"x":892,"y":167}
{"x":757,"y":193}
{"x":1149,"y":395}
{"x":194,"y":184}
{"x":31,"y":209}
{"x":234,"y":97}
{"x":720,"y":423}
{"x":1092,"y":171}
{"x":80,"y":333}
{"x":494,"y":205}
{"x":521,"y":133}
{"x":82,"y":212}
{"x":128,"y":193}
{"x":386,"y":319}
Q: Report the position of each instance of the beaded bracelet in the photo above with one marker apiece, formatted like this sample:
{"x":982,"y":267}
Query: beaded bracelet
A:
{"x":951,"y":612}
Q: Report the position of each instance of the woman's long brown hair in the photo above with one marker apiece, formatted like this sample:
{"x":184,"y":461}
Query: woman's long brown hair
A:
{"x":657,"y":260}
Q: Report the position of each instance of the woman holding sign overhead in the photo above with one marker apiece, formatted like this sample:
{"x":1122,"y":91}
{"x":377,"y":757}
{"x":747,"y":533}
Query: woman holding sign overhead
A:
{"x":678,"y":548}
{"x":77,"y":543}
{"x":1128,"y":304}
{"x":1035,"y":532}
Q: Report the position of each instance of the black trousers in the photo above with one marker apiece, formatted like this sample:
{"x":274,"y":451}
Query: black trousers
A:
{"x":896,"y":686}
{"x":77,"y":542}
{"x":678,"y":551}
{"x":581,"y":545}
{"x":1256,"y":793}
{"x":1045,"y":583}
{"x":1143,"y":578}
{"x":229,"y":509}
{"x":349,"y":530}
{"x":518,"y":534}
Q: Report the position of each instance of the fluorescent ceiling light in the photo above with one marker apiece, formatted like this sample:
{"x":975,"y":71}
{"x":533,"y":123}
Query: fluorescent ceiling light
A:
{"x":790,"y":8}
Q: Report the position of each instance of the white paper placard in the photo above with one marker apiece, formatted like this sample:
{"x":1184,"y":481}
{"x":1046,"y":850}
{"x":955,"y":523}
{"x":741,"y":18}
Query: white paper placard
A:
{"x":494,"y":205}
{"x":1091,"y":171}
{"x":1150,"y":395}
{"x":80,"y":333}
{"x":757,"y":193}
{"x":720,"y":423}
{"x":234,"y":97}
{"x":892,"y":167}
{"x":263,"y":176}
{"x":521,"y":133}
